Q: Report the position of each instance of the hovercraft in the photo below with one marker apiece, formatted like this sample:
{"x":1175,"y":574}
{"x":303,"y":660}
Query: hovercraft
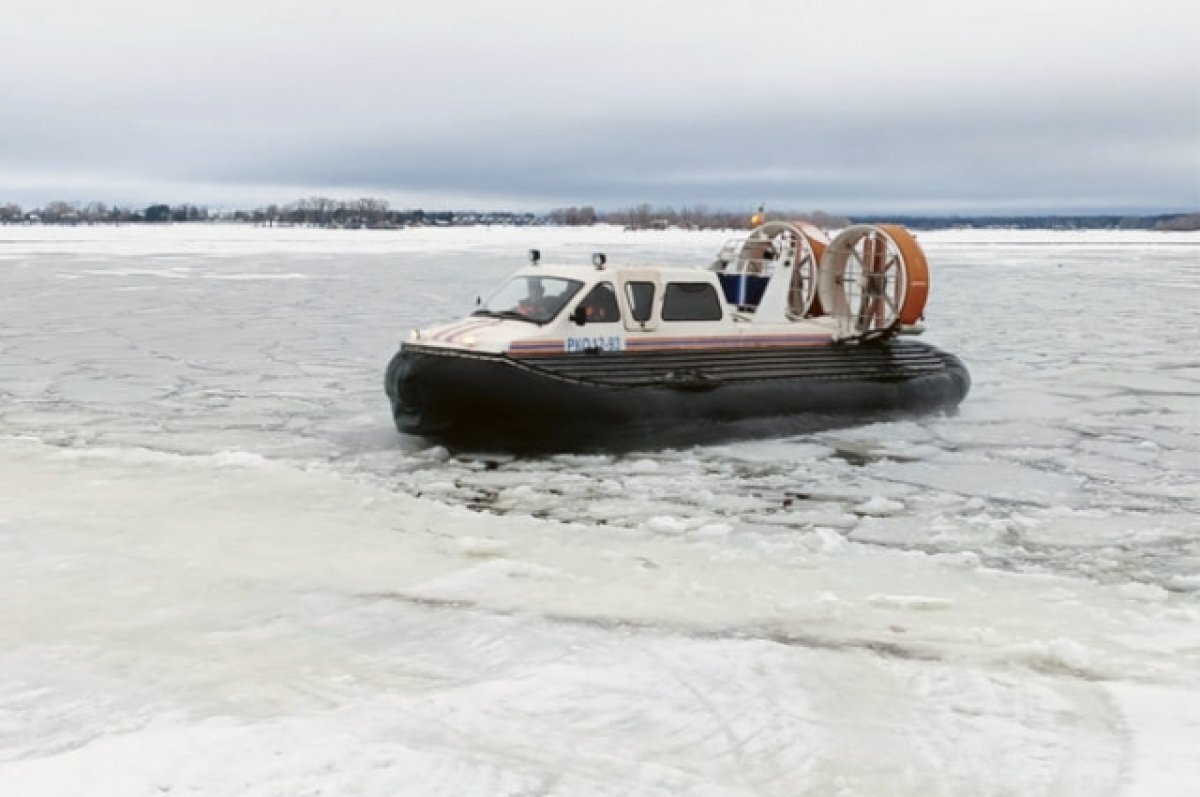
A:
{"x":785,"y":329}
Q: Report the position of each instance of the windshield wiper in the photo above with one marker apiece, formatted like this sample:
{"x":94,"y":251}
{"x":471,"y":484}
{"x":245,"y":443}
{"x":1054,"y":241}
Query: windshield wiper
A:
{"x":509,"y":314}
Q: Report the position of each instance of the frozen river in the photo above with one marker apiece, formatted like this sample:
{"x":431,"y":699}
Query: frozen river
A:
{"x":223,"y":572}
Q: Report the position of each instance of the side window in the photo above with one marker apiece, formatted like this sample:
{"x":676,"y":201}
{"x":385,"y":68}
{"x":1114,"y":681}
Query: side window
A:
{"x":641,"y":299}
{"x":600,"y":305}
{"x":691,"y":301}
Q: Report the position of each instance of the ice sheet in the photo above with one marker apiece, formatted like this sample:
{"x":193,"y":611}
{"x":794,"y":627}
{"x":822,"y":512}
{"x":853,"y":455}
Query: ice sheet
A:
{"x":222,"y":572}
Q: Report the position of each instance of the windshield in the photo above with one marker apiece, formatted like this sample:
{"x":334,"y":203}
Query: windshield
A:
{"x":531,"y":298}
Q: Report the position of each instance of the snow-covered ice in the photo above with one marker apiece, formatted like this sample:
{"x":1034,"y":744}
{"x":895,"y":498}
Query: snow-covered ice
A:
{"x":222,"y":572}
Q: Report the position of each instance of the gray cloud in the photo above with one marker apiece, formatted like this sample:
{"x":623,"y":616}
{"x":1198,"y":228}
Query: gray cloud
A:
{"x":1011,"y":107}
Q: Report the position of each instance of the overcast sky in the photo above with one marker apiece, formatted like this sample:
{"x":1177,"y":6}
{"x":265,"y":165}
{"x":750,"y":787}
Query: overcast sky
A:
{"x":849,"y":106}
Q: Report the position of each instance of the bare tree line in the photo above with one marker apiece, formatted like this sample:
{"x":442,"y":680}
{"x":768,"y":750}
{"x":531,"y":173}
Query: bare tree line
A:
{"x":316,"y":211}
{"x":374,"y":213}
{"x":1188,"y":221}
{"x":59,"y":212}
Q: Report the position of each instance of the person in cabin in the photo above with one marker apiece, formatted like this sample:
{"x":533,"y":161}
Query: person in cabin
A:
{"x":600,"y":306}
{"x":535,"y":301}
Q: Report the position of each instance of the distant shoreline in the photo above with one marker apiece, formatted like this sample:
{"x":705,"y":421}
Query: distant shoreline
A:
{"x":1190,"y":223}
{"x":367,"y":213}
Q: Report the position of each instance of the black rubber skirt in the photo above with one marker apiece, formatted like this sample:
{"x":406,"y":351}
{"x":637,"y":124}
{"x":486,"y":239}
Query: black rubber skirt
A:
{"x":623,"y":399}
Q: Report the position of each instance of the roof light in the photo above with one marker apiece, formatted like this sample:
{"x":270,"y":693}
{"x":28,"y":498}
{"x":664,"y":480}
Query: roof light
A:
{"x":598,"y":260}
{"x":534,"y":256}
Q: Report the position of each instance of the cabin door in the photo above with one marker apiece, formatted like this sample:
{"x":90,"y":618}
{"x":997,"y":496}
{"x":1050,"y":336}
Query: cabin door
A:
{"x":641,"y":300}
